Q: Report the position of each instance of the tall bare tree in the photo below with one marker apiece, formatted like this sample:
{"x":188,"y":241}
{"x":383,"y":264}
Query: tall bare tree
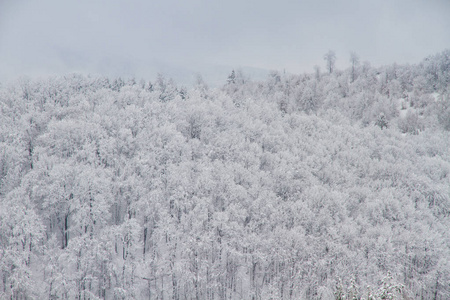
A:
{"x":354,"y":60}
{"x":330,"y":58}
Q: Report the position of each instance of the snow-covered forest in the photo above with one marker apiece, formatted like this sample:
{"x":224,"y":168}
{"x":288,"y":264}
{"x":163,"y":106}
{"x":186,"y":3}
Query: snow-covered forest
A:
{"x":312,"y":186}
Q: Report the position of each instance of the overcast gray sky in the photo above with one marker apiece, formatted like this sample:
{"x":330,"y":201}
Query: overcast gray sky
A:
{"x":140,"y":38}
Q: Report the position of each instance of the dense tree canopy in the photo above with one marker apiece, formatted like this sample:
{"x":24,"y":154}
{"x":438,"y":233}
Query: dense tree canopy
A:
{"x":310,"y":186}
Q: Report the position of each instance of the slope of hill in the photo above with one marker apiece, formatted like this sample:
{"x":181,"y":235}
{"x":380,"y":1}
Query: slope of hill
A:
{"x":276,"y":189}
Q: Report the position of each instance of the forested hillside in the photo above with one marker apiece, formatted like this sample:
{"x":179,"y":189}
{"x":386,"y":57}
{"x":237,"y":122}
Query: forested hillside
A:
{"x":310,"y":186}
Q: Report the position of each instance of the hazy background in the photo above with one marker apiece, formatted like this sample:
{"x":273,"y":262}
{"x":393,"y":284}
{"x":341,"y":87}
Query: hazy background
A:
{"x":181,"y":38}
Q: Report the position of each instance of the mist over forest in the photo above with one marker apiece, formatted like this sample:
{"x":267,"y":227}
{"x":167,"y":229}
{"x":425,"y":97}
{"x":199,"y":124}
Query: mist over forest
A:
{"x":326,"y":185}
